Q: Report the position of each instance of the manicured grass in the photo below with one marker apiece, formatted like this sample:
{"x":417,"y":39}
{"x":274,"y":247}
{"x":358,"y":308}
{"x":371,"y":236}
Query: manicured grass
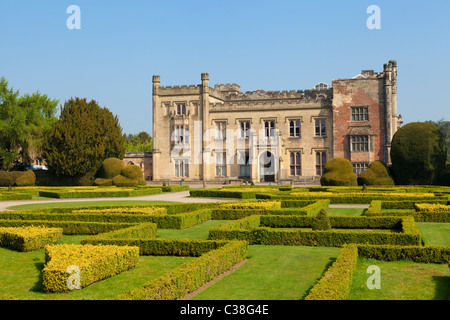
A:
{"x":435,"y":233}
{"x":20,"y":276}
{"x":402,"y":280}
{"x":199,"y":232}
{"x":345,"y":211}
{"x":70,"y":204}
{"x":273,"y":273}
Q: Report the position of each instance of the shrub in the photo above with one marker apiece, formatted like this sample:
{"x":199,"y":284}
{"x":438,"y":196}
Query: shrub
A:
{"x":426,"y":254}
{"x":376,"y":174}
{"x":121,"y":181}
{"x":95,"y":263}
{"x":132,"y":171}
{"x":192,"y":275}
{"x":27,"y":178}
{"x":321,"y":221}
{"x":6,"y":179}
{"x":338,"y":172}
{"x":110,"y":168}
{"x":337,"y":280}
{"x":28,"y":238}
{"x":418,"y":154}
{"x":102,"y":182}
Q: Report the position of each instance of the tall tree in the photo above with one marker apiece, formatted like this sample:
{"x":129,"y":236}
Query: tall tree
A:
{"x":84,"y":136}
{"x":139,"y":142}
{"x":24,"y":122}
{"x":444,"y":126}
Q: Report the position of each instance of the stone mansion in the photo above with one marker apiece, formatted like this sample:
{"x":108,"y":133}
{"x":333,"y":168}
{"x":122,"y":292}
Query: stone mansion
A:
{"x":216,"y":134}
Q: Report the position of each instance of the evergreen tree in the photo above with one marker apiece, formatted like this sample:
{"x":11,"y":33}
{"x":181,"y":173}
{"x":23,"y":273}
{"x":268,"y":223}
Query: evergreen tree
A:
{"x":84,"y":136}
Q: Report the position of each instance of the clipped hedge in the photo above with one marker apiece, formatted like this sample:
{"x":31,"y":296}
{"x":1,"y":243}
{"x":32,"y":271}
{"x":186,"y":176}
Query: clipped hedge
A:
{"x":426,"y":254}
{"x":265,"y":230}
{"x":192,"y":275}
{"x":98,"y":192}
{"x":28,"y":238}
{"x":337,"y":280}
{"x":95,"y":263}
{"x":439,"y":214}
{"x":69,"y":227}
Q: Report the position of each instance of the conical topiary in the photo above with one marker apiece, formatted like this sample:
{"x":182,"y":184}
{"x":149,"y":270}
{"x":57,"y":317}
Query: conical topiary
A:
{"x":321,"y":221}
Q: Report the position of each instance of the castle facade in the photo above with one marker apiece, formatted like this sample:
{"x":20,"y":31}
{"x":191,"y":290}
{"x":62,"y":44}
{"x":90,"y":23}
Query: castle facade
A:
{"x":219,"y":134}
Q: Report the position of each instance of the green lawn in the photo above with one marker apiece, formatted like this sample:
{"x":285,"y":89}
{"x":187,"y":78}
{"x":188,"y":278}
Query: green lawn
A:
{"x":402,"y":280}
{"x":345,"y":211}
{"x":70,"y":204}
{"x":435,"y":233}
{"x":199,"y":232}
{"x":273,"y":273}
{"x":20,"y":276}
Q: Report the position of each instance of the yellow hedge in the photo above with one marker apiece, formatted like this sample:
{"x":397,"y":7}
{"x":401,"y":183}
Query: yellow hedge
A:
{"x":431,"y":207}
{"x":28,"y":238}
{"x":270,"y":205}
{"x":95,"y":262}
{"x":137,"y":210}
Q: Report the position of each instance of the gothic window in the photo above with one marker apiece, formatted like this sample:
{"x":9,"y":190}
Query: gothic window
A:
{"x":295,"y":164}
{"x":360,"y":144}
{"x":221,"y":129}
{"x":181,"y":109}
{"x":360,"y":113}
{"x":181,"y":168}
{"x":321,"y":159}
{"x":269,"y":128}
{"x":221,"y":164}
{"x":244,"y":129}
{"x":320,"y":128}
{"x":294,"y":128}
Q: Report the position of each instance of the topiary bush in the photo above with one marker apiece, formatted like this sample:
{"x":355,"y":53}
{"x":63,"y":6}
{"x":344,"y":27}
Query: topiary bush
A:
{"x":110,"y":168}
{"x":418,"y":154}
{"x":321,"y":221}
{"x":101,"y":182}
{"x":134,"y":172}
{"x":377,"y":174}
{"x":338,"y":172}
{"x":27,"y":178}
{"x":121,"y":181}
{"x":6,"y":179}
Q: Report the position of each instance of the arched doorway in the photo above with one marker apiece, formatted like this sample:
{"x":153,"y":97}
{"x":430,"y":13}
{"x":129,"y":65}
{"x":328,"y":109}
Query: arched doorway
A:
{"x":267,"y":166}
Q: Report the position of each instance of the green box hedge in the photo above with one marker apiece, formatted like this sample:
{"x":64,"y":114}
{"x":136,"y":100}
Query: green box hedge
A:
{"x":266,"y":230}
{"x":192,"y":275}
{"x":28,"y":238}
{"x":94,"y":262}
{"x":337,"y":280}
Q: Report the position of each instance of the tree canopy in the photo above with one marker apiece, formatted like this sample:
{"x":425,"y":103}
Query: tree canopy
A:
{"x":84,"y":136}
{"x":24,"y":122}
{"x":141,"y":141}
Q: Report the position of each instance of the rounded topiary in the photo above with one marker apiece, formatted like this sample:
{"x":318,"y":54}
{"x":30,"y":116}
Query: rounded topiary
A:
{"x":102,"y":182}
{"x":110,"y":168}
{"x":27,"y":178}
{"x":338,"y":172}
{"x":122,"y":181}
{"x":321,"y":221}
{"x":418,"y":154}
{"x":132,"y":171}
{"x":377,"y":174}
{"x":6,"y":179}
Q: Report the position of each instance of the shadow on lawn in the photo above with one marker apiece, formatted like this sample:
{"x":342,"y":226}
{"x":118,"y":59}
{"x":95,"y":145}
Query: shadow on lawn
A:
{"x":442,"y":288}
{"x":327,"y":266}
{"x":39,"y":286}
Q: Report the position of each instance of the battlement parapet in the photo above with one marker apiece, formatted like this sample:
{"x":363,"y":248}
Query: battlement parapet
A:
{"x":179,"y":90}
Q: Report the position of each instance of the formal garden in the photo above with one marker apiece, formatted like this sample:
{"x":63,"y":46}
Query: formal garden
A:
{"x":274,"y":242}
{"x":381,"y":235}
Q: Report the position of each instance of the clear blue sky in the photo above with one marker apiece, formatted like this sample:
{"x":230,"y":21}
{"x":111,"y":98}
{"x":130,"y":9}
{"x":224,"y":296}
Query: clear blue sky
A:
{"x":269,"y":45}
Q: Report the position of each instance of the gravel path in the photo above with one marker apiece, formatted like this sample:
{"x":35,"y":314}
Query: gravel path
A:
{"x":182,"y":196}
